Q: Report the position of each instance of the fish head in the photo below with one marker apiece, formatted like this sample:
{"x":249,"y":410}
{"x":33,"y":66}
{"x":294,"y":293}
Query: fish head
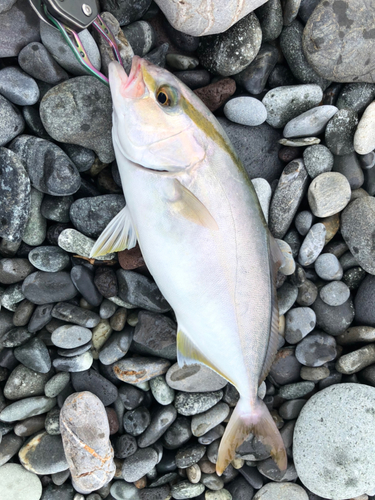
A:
{"x":154,"y":118}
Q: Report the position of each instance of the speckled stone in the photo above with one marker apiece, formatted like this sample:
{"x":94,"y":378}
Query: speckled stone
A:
{"x":318,"y":159}
{"x":339,"y":133}
{"x":73,"y":241}
{"x":12,"y":122}
{"x":281,"y":491}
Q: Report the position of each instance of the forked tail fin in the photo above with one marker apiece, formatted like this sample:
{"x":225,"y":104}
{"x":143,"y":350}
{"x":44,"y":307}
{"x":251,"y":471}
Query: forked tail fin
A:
{"x":250,"y":418}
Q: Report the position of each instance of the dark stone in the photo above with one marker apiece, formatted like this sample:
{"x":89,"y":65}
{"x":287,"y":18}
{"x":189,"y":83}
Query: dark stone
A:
{"x":340,"y":131}
{"x":125,"y":446}
{"x":195,"y":78}
{"x":83,"y":280}
{"x":365,"y":302}
{"x":131,"y":396}
{"x":189,"y":455}
{"x":34,"y":355}
{"x":240,"y":489}
{"x":83,"y":158}
{"x":155,"y":334}
{"x":216,"y":93}
{"x":333,"y":319}
{"x":33,"y":122}
{"x":280,"y":76}
{"x":163,"y":418}
{"x":43,"y":288}
{"x":270,"y":17}
{"x":74,"y":314}
{"x":106,"y":282}
{"x":356,"y":96}
{"x":181,"y":40}
{"x":316,"y":349}
{"x":18,"y":87}
{"x":126,"y":11}
{"x":286,"y":368}
{"x":178,"y":434}
{"x":38,"y":62}
{"x":141,"y":36}
{"x":95,"y":383}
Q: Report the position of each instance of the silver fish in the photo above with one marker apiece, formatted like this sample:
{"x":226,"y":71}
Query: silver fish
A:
{"x":203,"y":237}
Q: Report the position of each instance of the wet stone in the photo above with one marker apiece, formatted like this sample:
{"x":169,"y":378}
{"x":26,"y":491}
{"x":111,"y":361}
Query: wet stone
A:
{"x":74,"y":314}
{"x":155,"y":334}
{"x":189,"y":455}
{"x":291,"y":45}
{"x":14,"y":191}
{"x":245,"y":111}
{"x":74,"y":364}
{"x":312,"y":244}
{"x":50,"y":170}
{"x":95,"y":383}
{"x":189,"y":378}
{"x":140,"y":291}
{"x":288,"y":195}
{"x":297,"y":390}
{"x":161,"y":420}
{"x":56,"y":384}
{"x":316,"y":349}
{"x":18,"y":87}
{"x":230,"y":52}
{"x":34,"y":355}
{"x":286,"y":368}
{"x":318,"y":159}
{"x":83,"y":280}
{"x":76,"y":123}
{"x":300,"y":321}
{"x":49,"y":259}
{"x":89,"y":453}
{"x":45,"y":287}
{"x":161,"y":391}
{"x":333,"y":319}
{"x":24,"y":382}
{"x":27,"y":407}
{"x":285,"y":103}
{"x":139,"y":464}
{"x":11,"y":474}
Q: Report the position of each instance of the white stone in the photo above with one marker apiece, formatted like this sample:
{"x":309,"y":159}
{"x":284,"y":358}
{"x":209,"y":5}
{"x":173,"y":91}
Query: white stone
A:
{"x":206,"y":17}
{"x":16,"y":483}
{"x":328,"y":194}
{"x":246,"y":111}
{"x":364,"y":137}
{"x":264,"y":193}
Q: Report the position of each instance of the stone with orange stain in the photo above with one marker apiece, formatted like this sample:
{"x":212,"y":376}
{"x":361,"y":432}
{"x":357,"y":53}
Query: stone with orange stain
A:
{"x":85,"y":434}
{"x":135,"y":370}
{"x":43,"y":454}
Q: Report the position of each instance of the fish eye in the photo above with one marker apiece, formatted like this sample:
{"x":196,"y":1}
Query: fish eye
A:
{"x":167,"y":96}
{"x":162,"y":97}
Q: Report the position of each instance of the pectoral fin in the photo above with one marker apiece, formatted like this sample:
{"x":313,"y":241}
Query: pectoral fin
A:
{"x":186,"y":204}
{"x":189,"y":354}
{"x":118,"y":235}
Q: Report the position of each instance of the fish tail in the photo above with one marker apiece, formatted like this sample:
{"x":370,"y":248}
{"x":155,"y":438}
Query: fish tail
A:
{"x":250,"y":417}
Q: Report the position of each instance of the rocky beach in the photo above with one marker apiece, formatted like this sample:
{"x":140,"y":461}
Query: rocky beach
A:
{"x":93,"y":404}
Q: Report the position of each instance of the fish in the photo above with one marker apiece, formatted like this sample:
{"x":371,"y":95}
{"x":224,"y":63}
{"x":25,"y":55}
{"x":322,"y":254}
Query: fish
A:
{"x":195,"y":214}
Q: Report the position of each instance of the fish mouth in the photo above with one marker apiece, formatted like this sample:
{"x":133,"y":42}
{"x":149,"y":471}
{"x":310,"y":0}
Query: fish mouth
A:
{"x":132,"y":86}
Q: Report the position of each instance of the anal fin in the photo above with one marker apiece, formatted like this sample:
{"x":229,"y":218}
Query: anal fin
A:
{"x":189,"y":354}
{"x":118,"y":235}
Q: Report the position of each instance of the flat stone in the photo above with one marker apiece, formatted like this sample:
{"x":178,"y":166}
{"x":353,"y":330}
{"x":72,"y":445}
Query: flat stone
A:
{"x":95,"y":383}
{"x":335,"y":293}
{"x":355,"y":221}
{"x":189,"y":455}
{"x":43,"y":454}
{"x":26,"y":408}
{"x":193,"y":377}
{"x":85,"y":435}
{"x":300,"y":321}
{"x":300,"y":142}
{"x":19,"y":19}
{"x":139,"y":464}
{"x":291,"y":44}
{"x":333,"y":319}
{"x":328,"y":194}
{"x":14,"y":270}
{"x":140,"y":291}
{"x":18,"y":87}
{"x":56,"y":384}
{"x":310,"y":123}
{"x":135,"y":370}
{"x":326,"y":50}
{"x":287,"y":197}
{"x":281,"y":491}
{"x":43,"y":288}
{"x":314,"y":374}
{"x":339,"y":133}
{"x":23,"y":383}
{"x":203,"y":422}
{"x":193,"y":403}
{"x":318,"y":159}
{"x":155,"y":334}
{"x":285,"y":103}
{"x":74,"y":314}
{"x":50,"y":170}
{"x":74,"y":364}
{"x":75,"y":242}
{"x":15,"y":474}
{"x":38,"y":62}
{"x":49,"y":259}
{"x":316,"y":349}
{"x":75,"y":121}
{"x":332,"y":422}
{"x":194,"y":19}
{"x":356,"y":334}
{"x":34,"y":355}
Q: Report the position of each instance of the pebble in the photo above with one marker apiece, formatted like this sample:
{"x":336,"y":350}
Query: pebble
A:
{"x":35,"y":60}
{"x":291,"y":44}
{"x":139,"y":464}
{"x":26,"y":408}
{"x":189,"y":378}
{"x":285,"y":103}
{"x":203,"y":422}
{"x":14,"y":192}
{"x":14,"y":270}
{"x":107,"y":309}
{"x":24,"y":382}
{"x":316,"y":349}
{"x":350,"y":167}
{"x":286,"y":297}
{"x":91,"y":216}
{"x":96,"y":384}
{"x":158,"y":55}
{"x":339,"y":133}
{"x":34,"y":355}
{"x":216,"y":93}
{"x":74,"y":364}
{"x":126,"y":11}
{"x":309,"y":123}
{"x":23,"y":313}
{"x":83,"y":280}
{"x":85,"y":435}
{"x":335,"y":293}
{"x":178,"y":434}
{"x":141,"y":36}
{"x":161,"y":391}
{"x":190,"y":455}
{"x":332,"y":422}
{"x":281,"y":491}
{"x":29,"y":426}
{"x":355,"y":220}
{"x":12,"y":296}
{"x":185,"y":489}
{"x":240,"y":489}
{"x":245,"y":111}
{"x":264,"y":193}
{"x":135,"y":370}
{"x":301,"y":142}
{"x":156,"y":335}
{"x":35,"y":230}
{"x":45,"y":287}
{"x":230,"y":52}
{"x":303,"y":222}
{"x":333,"y":319}
{"x":50,"y":170}
{"x":74,"y":314}
{"x":256,"y":147}
{"x":312,"y":244}
{"x":180,"y":62}
{"x":12,"y":122}
{"x":357,"y":360}
{"x":17,"y":17}
{"x":56,"y":45}
{"x":140,"y":291}
{"x":296,"y":390}
{"x":300,"y":321}
{"x":56,"y":384}
{"x":18,"y":87}
{"x":254,"y":77}
{"x":9,"y":446}
{"x":136,"y":421}
{"x":314,"y":374}
{"x":161,"y":420}
{"x":43,"y":454}
{"x":357,"y":334}
{"x":327,"y":52}
{"x":49,"y":259}
{"x":15,"y":474}
{"x":287,"y":197}
{"x":285,"y":367}
{"x":56,"y":208}
{"x":327,"y":266}
{"x":356,"y":96}
{"x":318,"y":159}
{"x":194,"y":403}
{"x":270,"y":16}
{"x":73,"y":241}
{"x":364,"y":302}
{"x":71,"y":336}
{"x":194,"y":78}
{"x":291,"y":408}
{"x":75,"y":122}
{"x":328,"y":194}
{"x":116,"y":346}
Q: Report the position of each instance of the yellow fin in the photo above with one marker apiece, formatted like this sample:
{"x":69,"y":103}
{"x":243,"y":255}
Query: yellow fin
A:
{"x":188,"y":206}
{"x":117,"y":236}
{"x":189,"y":354}
{"x":250,"y":418}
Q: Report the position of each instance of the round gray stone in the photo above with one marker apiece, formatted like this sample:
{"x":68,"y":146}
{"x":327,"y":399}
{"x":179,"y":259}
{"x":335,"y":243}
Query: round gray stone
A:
{"x":49,"y":259}
{"x":328,"y":267}
{"x":318,"y":159}
{"x":71,"y":336}
{"x":38,"y":62}
{"x":310,"y":123}
{"x":245,"y":111}
{"x":139,"y":464}
{"x":11,"y":121}
{"x":335,"y":293}
{"x":15,"y":480}
{"x":18,"y":87}
{"x":44,"y":288}
{"x":334,"y":433}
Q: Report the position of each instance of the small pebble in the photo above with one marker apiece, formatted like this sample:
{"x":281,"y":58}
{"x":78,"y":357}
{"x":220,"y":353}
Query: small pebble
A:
{"x":318,"y":160}
{"x":335,"y":293}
